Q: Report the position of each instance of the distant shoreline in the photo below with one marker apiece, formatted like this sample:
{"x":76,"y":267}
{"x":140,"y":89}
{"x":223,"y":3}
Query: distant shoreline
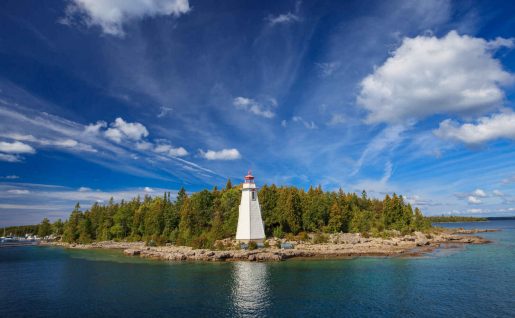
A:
{"x":341,"y":245}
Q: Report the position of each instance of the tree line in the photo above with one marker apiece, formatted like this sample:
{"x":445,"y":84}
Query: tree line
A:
{"x":455,"y":218}
{"x":203,"y":217}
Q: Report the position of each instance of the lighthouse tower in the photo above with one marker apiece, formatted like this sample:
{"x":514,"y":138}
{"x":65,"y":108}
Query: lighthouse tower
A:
{"x":250,"y":224}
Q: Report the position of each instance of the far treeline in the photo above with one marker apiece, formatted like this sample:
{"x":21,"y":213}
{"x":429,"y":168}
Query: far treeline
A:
{"x":203,"y":217}
{"x":454,"y":218}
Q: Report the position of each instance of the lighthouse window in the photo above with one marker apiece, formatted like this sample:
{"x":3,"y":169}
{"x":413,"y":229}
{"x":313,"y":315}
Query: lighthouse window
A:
{"x":253,"y":196}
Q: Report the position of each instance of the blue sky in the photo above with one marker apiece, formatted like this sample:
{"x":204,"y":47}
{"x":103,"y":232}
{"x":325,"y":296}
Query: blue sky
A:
{"x":119,"y":98}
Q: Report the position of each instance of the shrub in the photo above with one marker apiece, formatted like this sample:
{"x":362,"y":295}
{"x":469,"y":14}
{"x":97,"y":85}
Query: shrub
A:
{"x":266,"y":244}
{"x":303,"y":236}
{"x":278,"y":232}
{"x":252,"y":245}
{"x":320,"y":238}
{"x":290,"y":237}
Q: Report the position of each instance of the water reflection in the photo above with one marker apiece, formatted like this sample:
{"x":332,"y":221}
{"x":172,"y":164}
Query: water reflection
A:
{"x":250,"y":289}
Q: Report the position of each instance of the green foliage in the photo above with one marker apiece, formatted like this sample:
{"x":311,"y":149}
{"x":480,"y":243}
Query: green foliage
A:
{"x":278,"y":232}
{"x":44,"y":229}
{"x":202,"y":218}
{"x":320,"y":238}
{"x":454,"y":218}
{"x":252,"y":245}
{"x":228,"y":185}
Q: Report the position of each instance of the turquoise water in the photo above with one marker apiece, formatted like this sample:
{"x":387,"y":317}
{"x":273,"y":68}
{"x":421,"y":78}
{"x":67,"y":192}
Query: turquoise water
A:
{"x":476,"y":281}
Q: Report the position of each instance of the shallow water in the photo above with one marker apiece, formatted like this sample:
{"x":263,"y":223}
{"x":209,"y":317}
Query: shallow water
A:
{"x":475,"y":281}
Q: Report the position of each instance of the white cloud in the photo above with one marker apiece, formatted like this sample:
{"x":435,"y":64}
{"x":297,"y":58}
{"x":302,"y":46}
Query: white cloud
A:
{"x":388,"y":139}
{"x":18,"y":191}
{"x":285,"y":18}
{"x":111,"y":15}
{"x":163,"y":111}
{"x":9,"y":158}
{"x":253,"y":106}
{"x":283,"y":123}
{"x":508,"y":180}
{"x":144,"y":145}
{"x":498,"y":193}
{"x":61,"y":143}
{"x":121,"y":129}
{"x":336,"y":119}
{"x":171,"y":151}
{"x":475,"y":210}
{"x":16,"y":147}
{"x":427,"y":75}
{"x":497,"y":126}
{"x":473,"y":200}
{"x":307,"y":124}
{"x":224,"y":154}
{"x":11,"y":177}
{"x":327,"y":69}
{"x":479,"y":193}
{"x":95,"y":128}
{"x":148,"y":190}
{"x":84,"y":189}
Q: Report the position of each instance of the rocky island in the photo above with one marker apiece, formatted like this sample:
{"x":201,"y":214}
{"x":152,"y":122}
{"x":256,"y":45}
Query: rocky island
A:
{"x":338,"y":245}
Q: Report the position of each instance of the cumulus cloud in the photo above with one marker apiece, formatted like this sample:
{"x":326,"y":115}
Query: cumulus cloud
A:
{"x":485,"y":129}
{"x":426,"y":75}
{"x":171,"y":151}
{"x":121,"y":129}
{"x":148,"y":190}
{"x":254,"y":107}
{"x":224,"y":154}
{"x":84,"y":189}
{"x":473,"y":200}
{"x":95,"y":128}
{"x":479,"y":193}
{"x":111,"y":15}
{"x":16,"y":148}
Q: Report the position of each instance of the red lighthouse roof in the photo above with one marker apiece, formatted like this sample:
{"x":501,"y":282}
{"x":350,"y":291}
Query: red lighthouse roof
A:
{"x":249,"y":176}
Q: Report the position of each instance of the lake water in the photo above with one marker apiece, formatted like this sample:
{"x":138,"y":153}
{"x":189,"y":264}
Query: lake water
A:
{"x":475,"y":281}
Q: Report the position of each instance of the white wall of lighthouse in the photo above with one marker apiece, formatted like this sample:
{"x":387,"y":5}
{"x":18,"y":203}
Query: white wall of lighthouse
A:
{"x":250,"y":223}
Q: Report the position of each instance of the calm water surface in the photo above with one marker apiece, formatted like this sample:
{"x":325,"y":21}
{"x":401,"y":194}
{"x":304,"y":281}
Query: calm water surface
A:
{"x":476,"y":281}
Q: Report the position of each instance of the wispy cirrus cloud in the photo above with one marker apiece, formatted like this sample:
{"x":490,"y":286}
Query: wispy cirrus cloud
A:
{"x":122,"y":152}
{"x":285,"y":18}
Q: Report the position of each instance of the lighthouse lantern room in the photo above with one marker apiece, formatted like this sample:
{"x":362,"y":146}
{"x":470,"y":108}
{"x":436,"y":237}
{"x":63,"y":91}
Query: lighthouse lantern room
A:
{"x":250,"y":224}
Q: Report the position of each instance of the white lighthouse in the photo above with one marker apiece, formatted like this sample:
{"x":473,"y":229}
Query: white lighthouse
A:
{"x":250,"y":224}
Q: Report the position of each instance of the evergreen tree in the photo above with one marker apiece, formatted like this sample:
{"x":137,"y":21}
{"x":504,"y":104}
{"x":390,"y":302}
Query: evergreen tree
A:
{"x":335,"y":218}
{"x":228,"y":185}
{"x":44,"y":229}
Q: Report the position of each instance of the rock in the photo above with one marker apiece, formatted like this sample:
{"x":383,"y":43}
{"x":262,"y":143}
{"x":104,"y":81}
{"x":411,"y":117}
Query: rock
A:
{"x":132,"y":252}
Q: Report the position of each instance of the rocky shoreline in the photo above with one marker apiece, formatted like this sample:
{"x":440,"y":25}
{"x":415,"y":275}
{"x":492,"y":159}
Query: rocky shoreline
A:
{"x":340,"y":245}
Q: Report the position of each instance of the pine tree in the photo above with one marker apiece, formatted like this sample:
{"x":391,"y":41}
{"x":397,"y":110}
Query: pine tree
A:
{"x":228,"y":185}
{"x":335,"y":218}
{"x":44,"y":229}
